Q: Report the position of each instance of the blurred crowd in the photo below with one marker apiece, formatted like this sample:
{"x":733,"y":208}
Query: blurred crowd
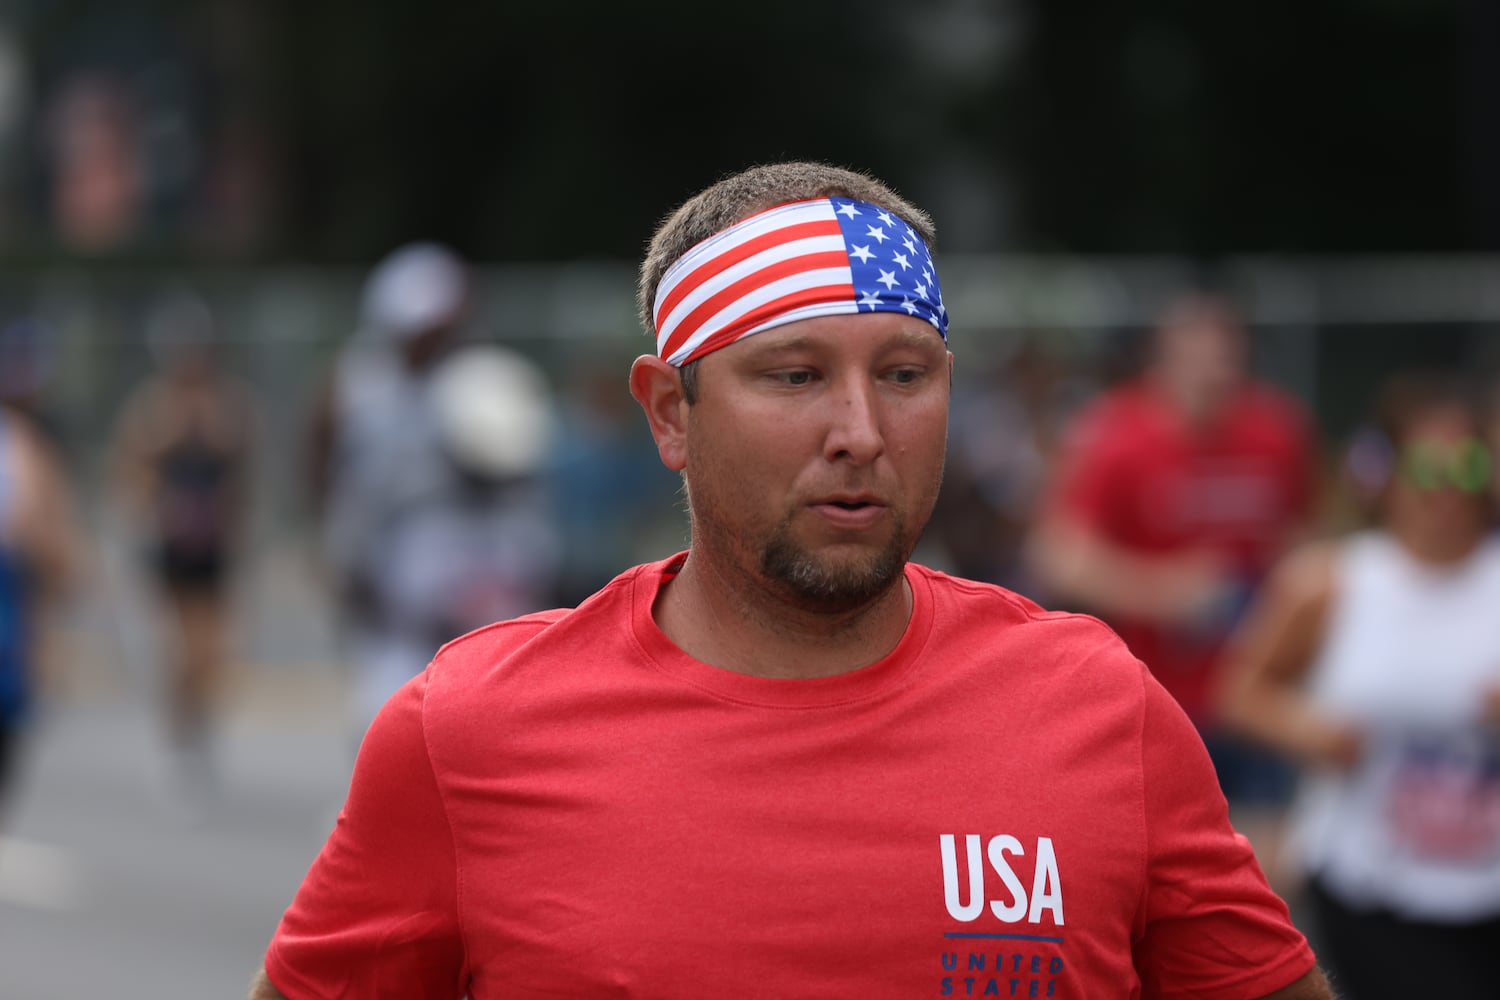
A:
{"x":1322,"y":608}
{"x":1322,"y":603}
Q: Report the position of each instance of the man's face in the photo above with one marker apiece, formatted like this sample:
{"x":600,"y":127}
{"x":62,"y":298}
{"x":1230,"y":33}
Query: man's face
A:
{"x":814,"y":455}
{"x":1200,"y":357}
{"x":1443,"y":476}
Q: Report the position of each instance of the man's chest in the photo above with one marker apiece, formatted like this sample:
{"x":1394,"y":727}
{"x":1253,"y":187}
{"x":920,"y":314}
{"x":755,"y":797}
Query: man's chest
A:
{"x":803,"y":864}
{"x":1240,"y":495}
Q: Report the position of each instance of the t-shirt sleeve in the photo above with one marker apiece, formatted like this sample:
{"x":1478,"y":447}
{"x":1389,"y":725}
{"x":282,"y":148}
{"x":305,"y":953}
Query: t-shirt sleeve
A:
{"x":377,"y":914}
{"x":1212,"y":927}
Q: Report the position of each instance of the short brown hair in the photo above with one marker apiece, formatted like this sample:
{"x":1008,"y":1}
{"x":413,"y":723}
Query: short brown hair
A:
{"x":743,"y":194}
{"x":1409,"y":396}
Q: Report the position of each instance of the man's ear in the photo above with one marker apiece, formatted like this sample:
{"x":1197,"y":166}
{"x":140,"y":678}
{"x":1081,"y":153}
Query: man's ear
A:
{"x":657,"y":386}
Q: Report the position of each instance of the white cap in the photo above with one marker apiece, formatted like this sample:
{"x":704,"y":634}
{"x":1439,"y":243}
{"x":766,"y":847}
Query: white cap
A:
{"x":494,"y":410}
{"x":416,"y":288}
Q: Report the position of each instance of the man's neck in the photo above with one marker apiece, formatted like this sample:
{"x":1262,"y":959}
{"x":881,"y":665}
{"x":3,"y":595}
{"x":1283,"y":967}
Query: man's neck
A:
{"x":1440,"y":544}
{"x":751,"y":630}
{"x":1196,"y":409}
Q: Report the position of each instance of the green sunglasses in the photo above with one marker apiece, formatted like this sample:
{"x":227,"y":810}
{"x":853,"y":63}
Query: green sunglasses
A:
{"x":1466,"y":465}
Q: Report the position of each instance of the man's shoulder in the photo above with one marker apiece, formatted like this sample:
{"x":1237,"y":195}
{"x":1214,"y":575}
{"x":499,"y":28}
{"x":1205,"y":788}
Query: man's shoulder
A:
{"x":502,"y":637}
{"x":553,"y":636}
{"x":1051,"y":660}
{"x":990,"y":607}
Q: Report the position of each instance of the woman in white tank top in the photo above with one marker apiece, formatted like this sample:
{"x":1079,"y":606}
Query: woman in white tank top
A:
{"x":1375,"y":662}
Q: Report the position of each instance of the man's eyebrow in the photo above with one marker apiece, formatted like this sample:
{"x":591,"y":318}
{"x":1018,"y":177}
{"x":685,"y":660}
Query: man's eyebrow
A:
{"x":919,"y":338}
{"x":770,"y":348}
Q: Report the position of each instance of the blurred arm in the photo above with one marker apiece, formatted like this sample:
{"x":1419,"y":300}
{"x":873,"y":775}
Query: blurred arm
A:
{"x":1269,"y":656}
{"x":131,"y":472}
{"x":263,"y":989}
{"x":49,"y":533}
{"x":53,"y":546}
{"x":242,"y":419}
{"x":1078,"y":564}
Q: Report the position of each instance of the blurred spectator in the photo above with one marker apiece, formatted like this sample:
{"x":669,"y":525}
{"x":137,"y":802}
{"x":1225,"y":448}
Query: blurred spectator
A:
{"x":98,"y":170}
{"x":1002,"y":439}
{"x":1374,"y":661}
{"x":1174,"y":495}
{"x":427,"y":457}
{"x":38,"y":554}
{"x":180,"y":463}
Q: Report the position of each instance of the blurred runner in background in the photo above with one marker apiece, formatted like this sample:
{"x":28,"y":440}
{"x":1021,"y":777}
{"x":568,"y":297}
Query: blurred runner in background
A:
{"x":1174,"y":495}
{"x":1374,"y":661}
{"x":180,"y":463}
{"x":427,"y":457}
{"x":39,"y":550}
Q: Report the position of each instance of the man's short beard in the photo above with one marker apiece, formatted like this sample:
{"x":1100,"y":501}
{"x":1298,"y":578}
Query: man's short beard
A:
{"x":846,"y":586}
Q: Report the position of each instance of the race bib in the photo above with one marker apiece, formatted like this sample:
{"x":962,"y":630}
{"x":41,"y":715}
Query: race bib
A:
{"x":1444,"y":798}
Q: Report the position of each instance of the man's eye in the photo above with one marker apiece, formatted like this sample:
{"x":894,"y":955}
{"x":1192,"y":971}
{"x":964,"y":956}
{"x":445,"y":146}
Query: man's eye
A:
{"x":795,"y":378}
{"x":905,"y":376}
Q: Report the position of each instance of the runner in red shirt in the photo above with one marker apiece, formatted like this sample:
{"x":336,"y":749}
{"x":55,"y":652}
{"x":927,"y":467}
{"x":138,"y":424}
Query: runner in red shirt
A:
{"x":1174,"y":495}
{"x":787,"y":762}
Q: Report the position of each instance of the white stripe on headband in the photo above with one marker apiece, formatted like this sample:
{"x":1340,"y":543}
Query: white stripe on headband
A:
{"x":824,"y":257}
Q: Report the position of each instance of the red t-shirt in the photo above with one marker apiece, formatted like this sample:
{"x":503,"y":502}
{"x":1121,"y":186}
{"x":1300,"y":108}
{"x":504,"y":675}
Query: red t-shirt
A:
{"x":1238,"y":488}
{"x":567,"y":805}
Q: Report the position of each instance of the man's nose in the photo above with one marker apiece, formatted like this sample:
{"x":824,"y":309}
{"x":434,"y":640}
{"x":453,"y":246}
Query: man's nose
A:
{"x":854,"y":423}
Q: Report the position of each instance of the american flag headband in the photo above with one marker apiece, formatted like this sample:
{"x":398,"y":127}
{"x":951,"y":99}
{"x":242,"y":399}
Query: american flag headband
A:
{"x":823,"y":257}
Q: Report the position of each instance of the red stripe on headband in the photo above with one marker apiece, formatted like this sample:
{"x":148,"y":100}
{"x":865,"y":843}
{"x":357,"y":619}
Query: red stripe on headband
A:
{"x":752,"y":282}
{"x":769,"y":311}
{"x":714,"y":266}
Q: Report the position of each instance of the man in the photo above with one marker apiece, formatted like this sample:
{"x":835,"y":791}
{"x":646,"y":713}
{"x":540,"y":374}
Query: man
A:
{"x":788,"y":763}
{"x":1174,"y":495}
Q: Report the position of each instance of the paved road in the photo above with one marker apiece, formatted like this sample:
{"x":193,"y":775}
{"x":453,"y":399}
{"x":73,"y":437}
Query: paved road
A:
{"x":109,"y":885}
